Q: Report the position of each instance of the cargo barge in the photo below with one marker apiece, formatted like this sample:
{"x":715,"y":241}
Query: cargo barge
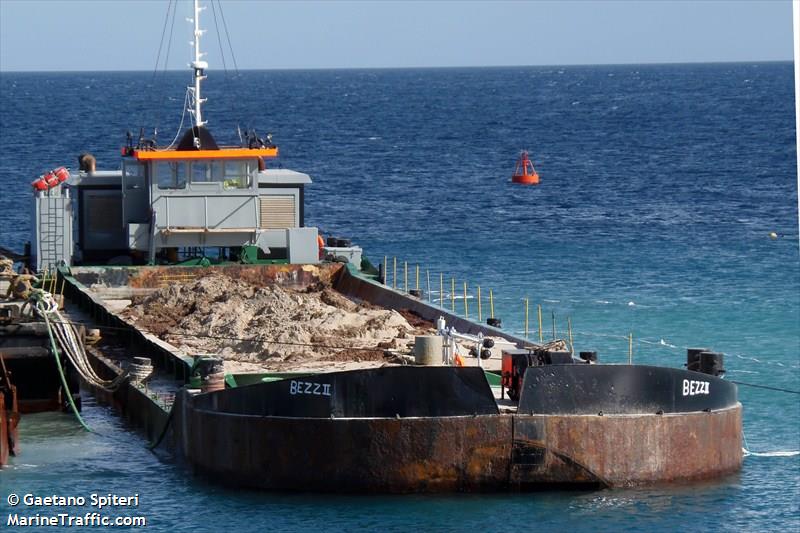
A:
{"x":173,"y":216}
{"x":406,"y":428}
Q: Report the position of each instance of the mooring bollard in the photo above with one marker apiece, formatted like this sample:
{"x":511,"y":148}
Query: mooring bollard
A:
{"x":428,"y":350}
{"x":211,"y":371}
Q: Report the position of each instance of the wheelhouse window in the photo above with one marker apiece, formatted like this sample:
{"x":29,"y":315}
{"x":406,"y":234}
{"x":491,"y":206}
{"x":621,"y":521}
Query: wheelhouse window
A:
{"x":237,"y":174}
{"x":206,"y":171}
{"x":170,"y":174}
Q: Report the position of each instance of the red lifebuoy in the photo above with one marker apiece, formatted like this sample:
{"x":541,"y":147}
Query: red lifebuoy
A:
{"x":51,"y":179}
{"x":61,"y":174}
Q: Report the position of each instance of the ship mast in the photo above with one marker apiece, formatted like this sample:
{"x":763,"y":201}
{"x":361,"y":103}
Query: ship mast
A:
{"x":198,"y":66}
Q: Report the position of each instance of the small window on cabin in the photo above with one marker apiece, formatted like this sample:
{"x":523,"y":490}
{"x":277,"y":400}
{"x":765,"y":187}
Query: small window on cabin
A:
{"x":201,"y":172}
{"x":171,"y":175}
{"x":132,"y":170}
{"x":237,"y":174}
{"x":207,"y":171}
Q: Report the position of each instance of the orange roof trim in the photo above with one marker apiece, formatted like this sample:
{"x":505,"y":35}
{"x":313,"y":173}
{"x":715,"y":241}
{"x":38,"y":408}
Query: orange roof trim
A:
{"x":222,"y":153}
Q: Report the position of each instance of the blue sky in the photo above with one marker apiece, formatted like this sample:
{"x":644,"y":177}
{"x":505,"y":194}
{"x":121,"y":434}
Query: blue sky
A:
{"x":124,"y":34}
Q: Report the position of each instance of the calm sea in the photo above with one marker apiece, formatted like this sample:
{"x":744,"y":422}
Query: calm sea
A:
{"x":660,"y":187}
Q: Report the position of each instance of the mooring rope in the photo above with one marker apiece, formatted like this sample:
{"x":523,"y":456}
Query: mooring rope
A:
{"x":790,"y":391}
{"x":69,"y":341}
{"x":45,"y":312}
{"x":777,"y":453}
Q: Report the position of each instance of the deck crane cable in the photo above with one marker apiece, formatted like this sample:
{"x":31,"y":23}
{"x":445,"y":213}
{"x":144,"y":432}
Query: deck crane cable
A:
{"x":163,"y":92}
{"x":228,"y":37}
{"x":142,"y":118}
{"x":227,"y":81}
{"x":233,"y":56}
{"x":219,"y":40}
{"x":161,"y":42}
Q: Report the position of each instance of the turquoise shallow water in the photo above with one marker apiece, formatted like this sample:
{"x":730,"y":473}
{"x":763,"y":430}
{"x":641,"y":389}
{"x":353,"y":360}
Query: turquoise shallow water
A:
{"x":660,"y":185}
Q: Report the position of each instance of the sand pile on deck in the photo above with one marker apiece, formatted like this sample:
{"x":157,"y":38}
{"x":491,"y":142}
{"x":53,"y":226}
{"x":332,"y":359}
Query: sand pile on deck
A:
{"x":270,"y":325}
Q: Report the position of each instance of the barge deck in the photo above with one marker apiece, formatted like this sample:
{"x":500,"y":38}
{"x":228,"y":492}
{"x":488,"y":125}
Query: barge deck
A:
{"x":405,"y":428}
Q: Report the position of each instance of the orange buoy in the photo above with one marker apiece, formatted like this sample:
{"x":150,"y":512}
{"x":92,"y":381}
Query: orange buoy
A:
{"x":321,"y":246}
{"x":524,"y":173}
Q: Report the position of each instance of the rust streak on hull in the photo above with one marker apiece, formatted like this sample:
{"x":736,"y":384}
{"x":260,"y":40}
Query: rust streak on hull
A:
{"x":629,"y":450}
{"x":351,"y":455}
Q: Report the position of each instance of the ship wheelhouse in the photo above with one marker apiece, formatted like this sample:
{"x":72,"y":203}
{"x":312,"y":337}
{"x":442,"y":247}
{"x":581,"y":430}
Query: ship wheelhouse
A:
{"x":196,"y":200}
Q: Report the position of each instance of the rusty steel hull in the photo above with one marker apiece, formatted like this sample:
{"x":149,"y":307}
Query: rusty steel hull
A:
{"x":626,"y":450}
{"x":350,"y":455}
{"x":5,"y":448}
{"x":460,"y":453}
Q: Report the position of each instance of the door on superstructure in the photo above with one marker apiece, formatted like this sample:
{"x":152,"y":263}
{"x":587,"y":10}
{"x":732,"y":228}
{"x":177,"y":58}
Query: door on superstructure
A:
{"x":135,"y":193}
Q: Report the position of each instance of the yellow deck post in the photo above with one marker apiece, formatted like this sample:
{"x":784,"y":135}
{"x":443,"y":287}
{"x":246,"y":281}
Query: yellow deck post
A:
{"x":541,"y":333}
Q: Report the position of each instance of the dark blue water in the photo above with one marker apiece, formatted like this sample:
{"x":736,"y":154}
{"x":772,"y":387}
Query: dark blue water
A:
{"x":660,"y":186}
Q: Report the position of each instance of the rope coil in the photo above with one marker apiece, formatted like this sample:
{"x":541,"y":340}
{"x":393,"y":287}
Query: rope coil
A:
{"x":66,"y":334}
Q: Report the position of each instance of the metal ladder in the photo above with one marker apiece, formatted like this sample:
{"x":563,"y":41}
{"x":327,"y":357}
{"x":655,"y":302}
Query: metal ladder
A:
{"x":51,"y":229}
